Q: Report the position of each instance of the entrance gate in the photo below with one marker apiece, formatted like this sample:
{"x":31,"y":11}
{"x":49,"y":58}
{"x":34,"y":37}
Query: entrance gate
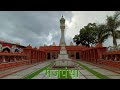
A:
{"x":77,"y":55}
{"x":48,"y":55}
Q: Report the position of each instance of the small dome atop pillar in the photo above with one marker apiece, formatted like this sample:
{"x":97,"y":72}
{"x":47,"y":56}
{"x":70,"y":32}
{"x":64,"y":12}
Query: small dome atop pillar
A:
{"x":62,"y":18}
{"x":29,"y":47}
{"x":35,"y":48}
{"x":54,"y":44}
{"x":71,"y":44}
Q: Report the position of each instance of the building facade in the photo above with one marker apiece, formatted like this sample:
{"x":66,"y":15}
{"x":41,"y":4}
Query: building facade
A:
{"x":13,"y":55}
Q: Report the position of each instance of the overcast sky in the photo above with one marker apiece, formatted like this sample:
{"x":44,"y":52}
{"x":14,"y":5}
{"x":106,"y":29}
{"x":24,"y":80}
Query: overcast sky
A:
{"x":43,"y":27}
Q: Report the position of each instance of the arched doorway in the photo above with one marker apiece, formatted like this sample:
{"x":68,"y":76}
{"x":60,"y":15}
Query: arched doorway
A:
{"x":77,"y":55}
{"x":48,"y":55}
{"x":6,"y":49}
{"x":16,"y":50}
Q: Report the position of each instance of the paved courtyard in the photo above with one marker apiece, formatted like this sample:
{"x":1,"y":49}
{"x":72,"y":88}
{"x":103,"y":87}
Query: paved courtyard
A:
{"x":82,"y":73}
{"x":110,"y":74}
{"x":21,"y":74}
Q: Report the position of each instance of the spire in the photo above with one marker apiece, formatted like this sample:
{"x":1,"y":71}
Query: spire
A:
{"x":54,"y":44}
{"x":29,"y":46}
{"x":71,"y":44}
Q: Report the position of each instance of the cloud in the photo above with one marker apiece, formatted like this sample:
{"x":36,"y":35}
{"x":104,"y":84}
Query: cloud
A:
{"x":82,"y":18}
{"x":43,"y":27}
{"x":31,"y":26}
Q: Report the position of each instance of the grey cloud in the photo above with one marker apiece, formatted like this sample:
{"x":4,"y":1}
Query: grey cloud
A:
{"x":31,"y":26}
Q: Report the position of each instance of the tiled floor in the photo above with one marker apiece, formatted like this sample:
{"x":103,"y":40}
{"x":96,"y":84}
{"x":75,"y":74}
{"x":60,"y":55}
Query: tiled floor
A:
{"x":110,"y":74}
{"x":22,"y":73}
{"x":83,"y":74}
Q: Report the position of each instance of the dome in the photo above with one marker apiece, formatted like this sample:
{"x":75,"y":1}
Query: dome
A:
{"x":54,"y":44}
{"x":71,"y":44}
{"x":35,"y":48}
{"x":29,"y":46}
{"x":62,"y":19}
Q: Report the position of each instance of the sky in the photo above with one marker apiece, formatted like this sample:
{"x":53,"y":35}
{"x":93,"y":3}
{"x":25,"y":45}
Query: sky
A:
{"x":43,"y":27}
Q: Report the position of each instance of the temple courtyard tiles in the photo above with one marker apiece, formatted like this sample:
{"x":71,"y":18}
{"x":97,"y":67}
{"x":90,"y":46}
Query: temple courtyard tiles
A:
{"x":110,"y":74}
{"x":83,"y":73}
{"x":24,"y":72}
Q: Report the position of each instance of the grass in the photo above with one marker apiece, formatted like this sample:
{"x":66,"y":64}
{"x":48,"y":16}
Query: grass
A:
{"x":30,"y":76}
{"x":99,"y":75}
{"x":64,"y":77}
{"x":62,"y":73}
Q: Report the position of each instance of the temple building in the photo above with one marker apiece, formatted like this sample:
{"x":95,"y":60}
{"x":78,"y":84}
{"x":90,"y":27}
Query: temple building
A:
{"x":10,"y":47}
{"x":53,"y":51}
{"x":20,"y":55}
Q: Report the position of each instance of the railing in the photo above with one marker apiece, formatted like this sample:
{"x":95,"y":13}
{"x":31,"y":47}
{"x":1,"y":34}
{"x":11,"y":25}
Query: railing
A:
{"x":65,"y":63}
{"x":4,"y":66}
{"x":110,"y":63}
{"x":112,"y":48}
{"x":10,"y":60}
{"x":11,"y":57}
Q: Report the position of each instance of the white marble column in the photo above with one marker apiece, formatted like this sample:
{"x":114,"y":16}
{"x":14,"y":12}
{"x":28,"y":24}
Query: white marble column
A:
{"x":62,"y":27}
{"x":4,"y":59}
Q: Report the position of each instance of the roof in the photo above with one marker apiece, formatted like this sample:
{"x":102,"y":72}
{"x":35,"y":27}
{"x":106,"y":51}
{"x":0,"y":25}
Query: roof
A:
{"x":1,"y":41}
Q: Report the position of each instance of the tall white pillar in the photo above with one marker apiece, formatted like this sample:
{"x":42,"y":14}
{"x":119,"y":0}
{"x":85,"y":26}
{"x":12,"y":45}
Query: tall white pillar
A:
{"x":62,"y":27}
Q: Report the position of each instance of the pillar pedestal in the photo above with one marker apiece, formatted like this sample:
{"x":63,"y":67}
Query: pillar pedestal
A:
{"x":4,"y":60}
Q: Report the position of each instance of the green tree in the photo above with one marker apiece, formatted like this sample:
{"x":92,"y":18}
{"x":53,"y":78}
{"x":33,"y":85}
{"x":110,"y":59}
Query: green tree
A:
{"x":113,"y":23}
{"x":92,"y":34}
{"x":87,"y":35}
{"x":101,"y":33}
{"x":76,"y":39}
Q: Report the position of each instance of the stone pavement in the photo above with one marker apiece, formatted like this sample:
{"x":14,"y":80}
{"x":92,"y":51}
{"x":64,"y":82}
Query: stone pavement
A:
{"x":22,"y":73}
{"x":110,"y":74}
{"x":42,"y":75}
{"x":116,"y":70}
{"x":83,"y":74}
{"x":14,"y":70}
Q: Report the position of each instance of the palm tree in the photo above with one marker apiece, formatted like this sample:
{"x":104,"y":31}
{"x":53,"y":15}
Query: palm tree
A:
{"x":113,"y":23}
{"x":101,"y":32}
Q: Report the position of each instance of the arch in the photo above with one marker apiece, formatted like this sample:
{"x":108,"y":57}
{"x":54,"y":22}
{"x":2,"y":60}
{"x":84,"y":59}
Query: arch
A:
{"x":48,"y":56}
{"x":115,"y":47}
{"x":6,"y":49}
{"x":109,"y":48}
{"x":0,"y":47}
{"x":119,"y":47}
{"x":17,"y":50}
{"x":77,"y":55}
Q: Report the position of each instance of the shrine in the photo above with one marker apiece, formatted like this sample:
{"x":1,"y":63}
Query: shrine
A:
{"x":14,"y":55}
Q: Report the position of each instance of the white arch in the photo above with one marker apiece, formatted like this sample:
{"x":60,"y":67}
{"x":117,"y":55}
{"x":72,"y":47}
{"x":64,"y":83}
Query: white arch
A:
{"x":109,"y":48}
{"x":0,"y":47}
{"x":6,"y":47}
{"x":17,"y":49}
